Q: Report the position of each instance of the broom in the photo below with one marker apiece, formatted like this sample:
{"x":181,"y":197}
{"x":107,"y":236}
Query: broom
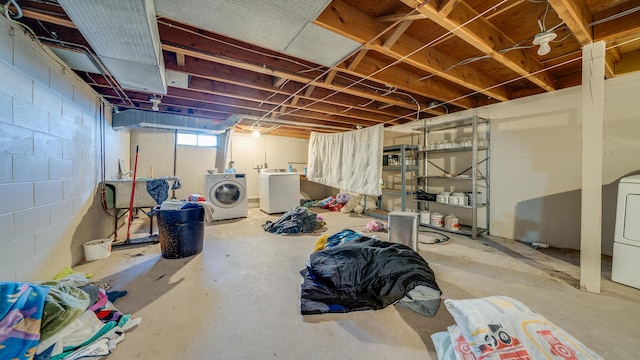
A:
{"x":133,"y":190}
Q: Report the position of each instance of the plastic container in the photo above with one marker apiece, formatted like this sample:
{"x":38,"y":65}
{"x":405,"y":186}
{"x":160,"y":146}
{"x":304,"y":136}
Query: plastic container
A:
{"x":451,"y":222}
{"x":97,"y":249}
{"x":181,"y":232}
{"x":425,"y":217}
{"x":437,"y":219}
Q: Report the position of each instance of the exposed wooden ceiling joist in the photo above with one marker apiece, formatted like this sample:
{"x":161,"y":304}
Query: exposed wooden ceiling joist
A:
{"x":348,"y":21}
{"x":577,"y":16}
{"x":427,"y":54}
{"x":465,"y":23}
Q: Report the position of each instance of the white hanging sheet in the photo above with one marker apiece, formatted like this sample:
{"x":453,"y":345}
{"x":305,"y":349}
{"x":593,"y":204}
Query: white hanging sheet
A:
{"x":350,"y":161}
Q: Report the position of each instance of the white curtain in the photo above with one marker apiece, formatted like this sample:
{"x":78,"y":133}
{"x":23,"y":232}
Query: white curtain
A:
{"x":350,"y":161}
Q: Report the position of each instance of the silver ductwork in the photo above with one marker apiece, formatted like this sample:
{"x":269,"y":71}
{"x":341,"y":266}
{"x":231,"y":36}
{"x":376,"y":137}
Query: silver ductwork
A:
{"x":124,"y":35}
{"x":130,"y":119}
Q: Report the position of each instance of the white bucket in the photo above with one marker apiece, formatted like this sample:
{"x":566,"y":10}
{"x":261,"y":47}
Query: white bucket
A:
{"x":97,"y":249}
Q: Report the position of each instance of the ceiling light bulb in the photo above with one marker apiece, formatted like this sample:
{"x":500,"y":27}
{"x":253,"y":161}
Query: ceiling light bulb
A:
{"x":544,"y":49}
{"x":255,"y":133}
{"x":543,"y":39}
{"x":155,"y":102}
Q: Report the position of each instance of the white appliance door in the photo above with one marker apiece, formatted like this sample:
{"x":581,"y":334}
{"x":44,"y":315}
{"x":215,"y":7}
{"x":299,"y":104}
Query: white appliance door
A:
{"x":227,"y":194}
{"x":626,"y":267}
{"x":631,"y":227}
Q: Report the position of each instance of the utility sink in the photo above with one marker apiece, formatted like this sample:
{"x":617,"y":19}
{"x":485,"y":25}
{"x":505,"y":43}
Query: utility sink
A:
{"x":118,"y":194}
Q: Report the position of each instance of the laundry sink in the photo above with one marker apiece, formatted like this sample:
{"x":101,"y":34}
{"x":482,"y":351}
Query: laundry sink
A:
{"x":118,"y":194}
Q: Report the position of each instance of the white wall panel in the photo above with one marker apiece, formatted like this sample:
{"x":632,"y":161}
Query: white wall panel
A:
{"x":15,"y":196}
{"x":6,"y":168}
{"x":15,"y":83}
{"x":47,"y":192}
{"x":30,"y":168}
{"x":6,"y":224}
{"x":6,"y":115}
{"x":47,"y":145}
{"x":49,"y":162}
{"x":536,"y":161}
{"x":31,"y":220}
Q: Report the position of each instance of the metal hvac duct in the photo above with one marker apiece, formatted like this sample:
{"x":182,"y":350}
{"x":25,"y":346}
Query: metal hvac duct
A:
{"x":124,"y":35}
{"x":129,"y":119}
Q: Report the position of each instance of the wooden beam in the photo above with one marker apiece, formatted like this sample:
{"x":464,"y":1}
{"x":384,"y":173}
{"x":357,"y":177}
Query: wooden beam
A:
{"x":295,"y":100}
{"x":330,"y":76}
{"x":395,"y":17}
{"x":350,"y":22}
{"x":309,"y":90}
{"x":278,"y":81}
{"x":493,"y":14}
{"x":278,"y":73}
{"x":447,"y":7}
{"x":630,"y":62}
{"x":400,"y":29}
{"x":211,"y":78}
{"x":576,"y":15}
{"x":622,"y":27}
{"x":180,"y":59}
{"x":486,"y":37}
{"x":609,"y":66}
{"x":356,"y":60}
{"x":48,"y":18}
{"x":409,"y":81}
{"x":175,"y":36}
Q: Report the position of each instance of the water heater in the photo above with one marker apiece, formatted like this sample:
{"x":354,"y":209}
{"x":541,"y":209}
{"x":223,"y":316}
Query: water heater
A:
{"x":403,"y":228}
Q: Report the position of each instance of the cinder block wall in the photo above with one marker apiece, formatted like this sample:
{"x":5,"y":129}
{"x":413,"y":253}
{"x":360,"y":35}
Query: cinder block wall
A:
{"x":49,"y":161}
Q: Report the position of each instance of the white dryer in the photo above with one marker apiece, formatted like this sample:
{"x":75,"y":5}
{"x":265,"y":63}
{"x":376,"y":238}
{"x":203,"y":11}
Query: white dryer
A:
{"x":626,"y":245}
{"x":228,"y":194}
{"x":279,"y":191}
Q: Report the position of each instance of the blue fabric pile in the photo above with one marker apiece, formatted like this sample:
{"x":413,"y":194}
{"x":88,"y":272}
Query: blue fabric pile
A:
{"x":294,"y":221}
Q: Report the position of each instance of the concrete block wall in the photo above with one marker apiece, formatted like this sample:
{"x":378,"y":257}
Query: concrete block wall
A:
{"x":49,"y":161}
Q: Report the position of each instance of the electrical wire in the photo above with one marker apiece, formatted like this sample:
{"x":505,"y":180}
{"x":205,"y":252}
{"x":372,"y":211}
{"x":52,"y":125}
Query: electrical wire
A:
{"x":329,"y":70}
{"x":8,"y":13}
{"x":614,"y":17}
{"x":524,"y":76}
{"x":400,"y":59}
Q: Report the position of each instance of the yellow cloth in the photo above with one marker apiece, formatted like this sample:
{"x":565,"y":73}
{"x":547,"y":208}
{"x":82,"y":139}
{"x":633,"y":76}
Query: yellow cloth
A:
{"x":321,"y":243}
{"x":69,"y":271}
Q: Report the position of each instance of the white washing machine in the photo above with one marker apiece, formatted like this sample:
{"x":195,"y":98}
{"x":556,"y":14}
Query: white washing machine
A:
{"x":228,"y":194}
{"x":626,"y":245}
{"x":279,"y":191}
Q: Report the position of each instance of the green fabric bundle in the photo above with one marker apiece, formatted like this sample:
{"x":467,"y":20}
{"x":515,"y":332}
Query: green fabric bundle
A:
{"x":63,"y":304}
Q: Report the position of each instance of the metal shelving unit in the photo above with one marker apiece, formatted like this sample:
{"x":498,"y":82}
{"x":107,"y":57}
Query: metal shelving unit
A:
{"x":402,"y":151}
{"x":478,"y":171}
{"x":402,"y":168}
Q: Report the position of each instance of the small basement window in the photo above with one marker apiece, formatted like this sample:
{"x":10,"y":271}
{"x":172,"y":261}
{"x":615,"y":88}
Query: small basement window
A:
{"x":196,"y":139}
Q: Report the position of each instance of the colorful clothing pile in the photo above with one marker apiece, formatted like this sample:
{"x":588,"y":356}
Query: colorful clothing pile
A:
{"x":59,"y":320}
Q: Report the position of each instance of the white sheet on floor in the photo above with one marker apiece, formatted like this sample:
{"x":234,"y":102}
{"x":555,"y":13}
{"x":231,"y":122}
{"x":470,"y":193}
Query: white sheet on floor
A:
{"x":350,"y":161}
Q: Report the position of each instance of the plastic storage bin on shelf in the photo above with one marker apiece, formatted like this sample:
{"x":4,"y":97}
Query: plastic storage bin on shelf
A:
{"x":181,"y":231}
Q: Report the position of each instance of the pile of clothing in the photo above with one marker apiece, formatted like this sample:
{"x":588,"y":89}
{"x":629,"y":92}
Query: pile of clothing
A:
{"x":297,"y":220}
{"x":352,"y":272}
{"x":500,"y":327}
{"x":59,"y":319}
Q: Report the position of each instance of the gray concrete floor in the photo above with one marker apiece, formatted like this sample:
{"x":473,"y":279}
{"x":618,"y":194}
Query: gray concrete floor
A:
{"x":239,"y":298}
